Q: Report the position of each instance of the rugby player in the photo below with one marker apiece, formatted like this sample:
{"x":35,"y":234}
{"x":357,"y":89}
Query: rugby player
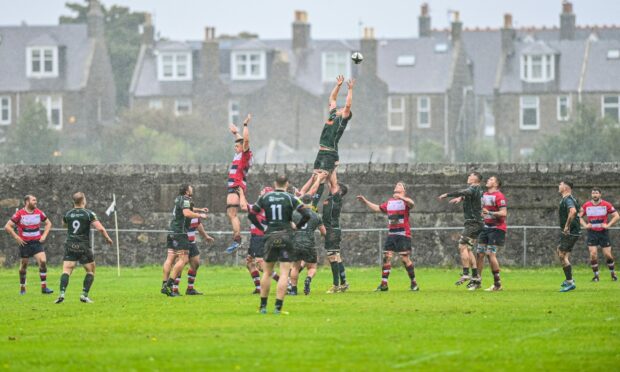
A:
{"x":570,"y":226}
{"x":194,"y":253}
{"x":332,"y":207}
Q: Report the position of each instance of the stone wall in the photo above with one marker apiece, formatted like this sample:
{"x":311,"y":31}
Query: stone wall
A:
{"x":145,"y":193}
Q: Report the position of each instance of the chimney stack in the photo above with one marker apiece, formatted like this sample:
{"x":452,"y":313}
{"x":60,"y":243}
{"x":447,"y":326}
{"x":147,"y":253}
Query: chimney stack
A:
{"x":508,"y":35}
{"x":301,"y":30}
{"x":95,"y":20}
{"x":567,"y":21}
{"x":424,"y":21}
{"x":148,"y":31}
{"x":210,"y":59}
{"x":457,"y":27}
{"x":369,"y":51}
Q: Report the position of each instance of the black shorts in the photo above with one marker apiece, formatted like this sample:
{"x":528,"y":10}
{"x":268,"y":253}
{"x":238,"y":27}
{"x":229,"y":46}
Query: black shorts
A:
{"x":326,"y":160}
{"x":332,"y":240}
{"x":598,"y":239}
{"x":492,"y":236}
{"x":567,"y":242}
{"x":472,"y":230}
{"x":78,"y":252}
{"x":30,"y":249}
{"x":398,"y":243}
{"x":193,"y":249}
{"x":234,"y":190}
{"x":257,"y":247}
{"x":306,"y":253}
{"x":279,"y":246}
{"x":178,"y":242}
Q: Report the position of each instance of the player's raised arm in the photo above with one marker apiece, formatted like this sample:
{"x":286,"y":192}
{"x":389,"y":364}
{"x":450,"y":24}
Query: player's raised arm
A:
{"x":410,"y":203}
{"x":99,"y":227}
{"x":246,"y":133}
{"x":372,"y":206}
{"x":188,"y":213}
{"x":234,"y":131}
{"x":347,"y":106}
{"x":333,"y":97}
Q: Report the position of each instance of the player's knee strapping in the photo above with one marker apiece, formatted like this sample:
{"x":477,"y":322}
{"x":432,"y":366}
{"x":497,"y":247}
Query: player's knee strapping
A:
{"x":466,"y":241}
{"x":228,"y":206}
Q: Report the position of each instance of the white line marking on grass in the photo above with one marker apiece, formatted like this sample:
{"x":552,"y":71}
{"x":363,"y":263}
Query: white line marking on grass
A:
{"x":425,"y":358}
{"x":538,"y":334}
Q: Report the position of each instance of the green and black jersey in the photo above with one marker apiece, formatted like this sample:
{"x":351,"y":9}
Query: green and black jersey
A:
{"x":472,"y":202}
{"x":305,"y":236}
{"x":279,"y":207}
{"x":78,"y":222}
{"x":179,"y":224}
{"x":333,"y":129}
{"x":566,"y":204}
{"x":331,"y":210}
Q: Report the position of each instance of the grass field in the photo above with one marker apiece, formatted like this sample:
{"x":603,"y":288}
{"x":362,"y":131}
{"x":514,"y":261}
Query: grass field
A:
{"x":131,"y":326}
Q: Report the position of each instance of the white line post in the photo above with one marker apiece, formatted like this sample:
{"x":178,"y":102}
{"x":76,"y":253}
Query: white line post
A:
{"x":118,"y":251}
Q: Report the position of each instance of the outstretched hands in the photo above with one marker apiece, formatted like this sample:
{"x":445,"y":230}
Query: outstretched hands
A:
{"x":350,"y":83}
{"x":339,"y":80}
{"x":233,"y":129}
{"x":247,"y":119}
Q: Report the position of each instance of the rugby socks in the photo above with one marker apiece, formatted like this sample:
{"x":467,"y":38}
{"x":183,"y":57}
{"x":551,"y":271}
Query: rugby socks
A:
{"x":343,"y":275}
{"x":279,"y":304}
{"x":411,"y":272}
{"x":22,"y":279}
{"x":294,"y":289}
{"x":263,"y":302}
{"x":335,"y":272}
{"x":568,"y":272}
{"x":474,"y":272}
{"x":385,"y":274}
{"x":496,"y":279}
{"x":64,"y":282}
{"x":191,"y":278}
{"x":275,"y":276}
{"x":317,"y":197}
{"x":88,"y":281}
{"x":43,"y":277}
{"x":175,"y":284}
{"x":256,"y":278}
{"x":466,"y":271}
{"x":611,"y":265}
{"x":594,"y":265}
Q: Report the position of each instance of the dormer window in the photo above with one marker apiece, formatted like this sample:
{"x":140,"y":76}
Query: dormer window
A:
{"x":334,"y":64}
{"x":42,"y":62}
{"x":248,"y":65}
{"x":174,"y":66}
{"x":538,"y":68}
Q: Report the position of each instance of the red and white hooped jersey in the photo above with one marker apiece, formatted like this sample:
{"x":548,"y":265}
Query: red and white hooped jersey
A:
{"x":597,"y":214}
{"x":193,"y":228}
{"x":239,"y":169}
{"x":29,"y":224}
{"x":398,"y":217}
{"x":255,"y":231}
{"x":493,"y":201}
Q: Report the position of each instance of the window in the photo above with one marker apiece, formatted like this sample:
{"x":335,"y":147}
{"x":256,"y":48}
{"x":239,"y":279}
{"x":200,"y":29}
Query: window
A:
{"x":155,"y":104}
{"x":5,"y":110}
{"x":613,"y":54}
{"x":248,"y":65}
{"x":529,"y":113}
{"x":334,"y":64}
{"x":538,"y":69}
{"x":174,"y":66}
{"x":53,"y":106}
{"x":182,"y":107}
{"x":424,"y":112}
{"x":611,"y":107}
{"x":526,"y":152}
{"x":563,"y":108}
{"x":396,"y":113}
{"x":42,"y":62}
{"x":405,"y":61}
{"x":441,"y":48}
{"x":233,"y":111}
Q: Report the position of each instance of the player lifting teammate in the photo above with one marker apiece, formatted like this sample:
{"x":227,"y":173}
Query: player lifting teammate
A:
{"x":28,"y":222}
{"x":597,"y":212}
{"x":397,"y":208}
{"x":237,"y":181}
{"x":279,"y":206}
{"x":332,"y":207}
{"x":77,"y":247}
{"x":472,"y":211}
{"x":327,"y":157}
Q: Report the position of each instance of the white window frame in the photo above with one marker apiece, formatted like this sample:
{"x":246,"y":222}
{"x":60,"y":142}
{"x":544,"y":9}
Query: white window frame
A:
{"x":325,"y":77}
{"x":262,"y":67}
{"x":391,"y":110}
{"x":5,"y":103}
{"x":179,"y":101}
{"x":420,"y":111}
{"x":175,"y":66}
{"x":48,"y":102}
{"x":41,"y":73}
{"x":610,"y":105}
{"x":522,"y":106}
{"x":232,"y":113}
{"x":155,"y":104}
{"x":547,"y":68}
{"x":559,"y":108}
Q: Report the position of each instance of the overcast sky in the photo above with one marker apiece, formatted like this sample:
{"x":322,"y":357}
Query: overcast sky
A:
{"x":186,"y":19}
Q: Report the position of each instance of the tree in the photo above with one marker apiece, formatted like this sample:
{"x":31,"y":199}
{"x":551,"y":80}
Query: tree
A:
{"x":31,"y":141}
{"x":428,"y":151}
{"x":122,"y":39}
{"x":485,"y":151}
{"x":585,"y":139}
